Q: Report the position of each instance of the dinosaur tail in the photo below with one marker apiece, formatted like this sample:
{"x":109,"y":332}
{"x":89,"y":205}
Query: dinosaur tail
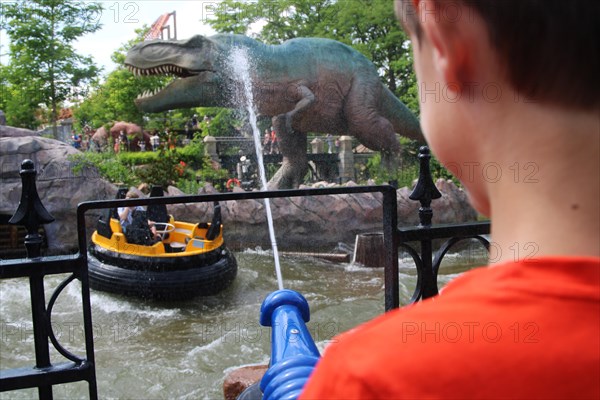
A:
{"x":404,"y":121}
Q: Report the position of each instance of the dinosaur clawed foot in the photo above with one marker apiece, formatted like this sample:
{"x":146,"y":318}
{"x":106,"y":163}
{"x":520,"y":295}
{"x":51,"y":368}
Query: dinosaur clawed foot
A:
{"x":289,"y":176}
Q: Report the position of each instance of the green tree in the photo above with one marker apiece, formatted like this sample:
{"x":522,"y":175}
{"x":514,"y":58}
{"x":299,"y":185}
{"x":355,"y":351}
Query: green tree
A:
{"x":43,"y":66}
{"x":113,"y":100}
{"x":370,"y":26}
{"x":281,"y":19}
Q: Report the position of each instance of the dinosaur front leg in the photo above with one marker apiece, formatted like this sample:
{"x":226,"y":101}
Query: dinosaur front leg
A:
{"x":292,"y":146}
{"x":304,"y":98}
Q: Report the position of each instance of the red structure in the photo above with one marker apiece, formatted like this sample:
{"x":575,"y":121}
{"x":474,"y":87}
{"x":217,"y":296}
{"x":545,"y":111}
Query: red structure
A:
{"x":160,"y":25}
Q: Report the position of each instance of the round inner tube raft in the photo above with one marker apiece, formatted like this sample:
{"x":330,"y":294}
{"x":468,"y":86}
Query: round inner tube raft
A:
{"x":190,"y":260}
{"x":162,"y":278}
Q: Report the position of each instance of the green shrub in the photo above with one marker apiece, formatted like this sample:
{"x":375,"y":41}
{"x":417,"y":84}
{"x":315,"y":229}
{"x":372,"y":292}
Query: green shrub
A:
{"x":193,"y":153}
{"x":106,"y":164}
{"x":162,"y":171}
{"x":137,"y":158}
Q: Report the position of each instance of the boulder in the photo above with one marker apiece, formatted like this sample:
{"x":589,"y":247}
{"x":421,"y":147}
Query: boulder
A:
{"x":59,"y":187}
{"x":240,"y":379}
{"x":11,"y":131}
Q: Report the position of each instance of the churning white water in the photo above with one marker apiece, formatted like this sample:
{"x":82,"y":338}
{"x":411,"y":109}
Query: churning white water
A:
{"x":240,"y":68}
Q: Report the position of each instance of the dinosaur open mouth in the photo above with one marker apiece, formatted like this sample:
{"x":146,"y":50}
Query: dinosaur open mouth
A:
{"x":167,"y":70}
{"x":176,"y":93}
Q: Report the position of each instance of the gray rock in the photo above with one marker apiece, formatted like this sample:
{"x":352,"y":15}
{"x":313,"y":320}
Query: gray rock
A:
{"x":321,"y":222}
{"x":59,"y":187}
{"x":11,"y":131}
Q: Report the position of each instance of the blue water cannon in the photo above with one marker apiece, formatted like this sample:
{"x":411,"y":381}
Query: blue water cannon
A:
{"x":293,"y":351}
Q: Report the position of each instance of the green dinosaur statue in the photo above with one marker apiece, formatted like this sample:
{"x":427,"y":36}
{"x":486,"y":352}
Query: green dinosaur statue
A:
{"x":304,"y":85}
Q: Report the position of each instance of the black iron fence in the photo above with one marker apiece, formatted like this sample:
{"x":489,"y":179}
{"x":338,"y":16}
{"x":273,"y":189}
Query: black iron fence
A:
{"x":31,"y":213}
{"x":426,"y":262}
{"x":74,"y":368}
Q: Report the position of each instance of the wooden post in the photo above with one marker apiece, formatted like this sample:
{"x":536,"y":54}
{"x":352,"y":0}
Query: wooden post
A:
{"x":317,"y":146}
{"x":210,"y":148}
{"x":346,"y":156}
{"x":368,"y":250}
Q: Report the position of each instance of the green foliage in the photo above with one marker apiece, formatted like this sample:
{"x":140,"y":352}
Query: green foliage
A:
{"x":218,"y":177}
{"x":113,"y":100}
{"x":193,"y":153}
{"x":131,"y":158}
{"x":283,"y":19}
{"x":408,"y":169}
{"x":183,"y":167}
{"x":163,"y":171}
{"x":43,"y":67}
{"x":404,"y":175}
{"x":108,"y":167}
{"x":226,"y":123}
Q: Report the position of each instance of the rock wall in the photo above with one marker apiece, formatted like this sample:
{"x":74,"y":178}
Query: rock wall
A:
{"x":11,"y":131}
{"x":302,"y":223}
{"x":320,"y":223}
{"x":60,"y":189}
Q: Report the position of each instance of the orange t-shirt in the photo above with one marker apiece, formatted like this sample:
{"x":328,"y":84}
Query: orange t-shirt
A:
{"x":518,"y":330}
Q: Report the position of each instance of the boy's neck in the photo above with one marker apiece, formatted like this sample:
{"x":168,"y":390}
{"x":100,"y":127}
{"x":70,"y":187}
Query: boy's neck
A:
{"x":547,"y":201}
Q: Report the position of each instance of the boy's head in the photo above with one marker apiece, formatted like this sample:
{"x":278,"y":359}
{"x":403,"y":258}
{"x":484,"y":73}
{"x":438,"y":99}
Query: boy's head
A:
{"x":548,"y":48}
{"x":132,"y":195}
{"x":493,"y":73}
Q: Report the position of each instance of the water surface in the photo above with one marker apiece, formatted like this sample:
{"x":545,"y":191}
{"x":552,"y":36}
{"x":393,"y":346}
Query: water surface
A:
{"x":148,"y":350}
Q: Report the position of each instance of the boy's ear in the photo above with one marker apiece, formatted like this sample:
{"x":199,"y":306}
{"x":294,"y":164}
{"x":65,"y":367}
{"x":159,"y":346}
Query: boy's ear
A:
{"x":452,"y":47}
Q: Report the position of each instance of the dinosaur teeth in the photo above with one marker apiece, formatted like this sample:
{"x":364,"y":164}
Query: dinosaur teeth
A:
{"x":148,"y":93}
{"x":167,"y":69}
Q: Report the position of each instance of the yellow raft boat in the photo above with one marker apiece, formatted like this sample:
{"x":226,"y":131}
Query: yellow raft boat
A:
{"x":191,"y":260}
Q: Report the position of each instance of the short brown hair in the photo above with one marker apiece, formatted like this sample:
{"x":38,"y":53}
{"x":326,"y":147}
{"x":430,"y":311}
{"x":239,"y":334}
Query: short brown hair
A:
{"x":131,"y":194}
{"x":550,"y":47}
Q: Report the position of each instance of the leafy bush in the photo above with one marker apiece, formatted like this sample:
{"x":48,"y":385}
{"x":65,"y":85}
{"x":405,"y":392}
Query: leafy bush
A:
{"x":162,"y":171}
{"x":193,"y":153}
{"x":407,"y":171}
{"x":106,"y":164}
{"x":137,"y":158}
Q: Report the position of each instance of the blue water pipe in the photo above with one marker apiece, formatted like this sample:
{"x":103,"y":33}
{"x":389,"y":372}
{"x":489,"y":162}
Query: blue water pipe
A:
{"x":293,"y":351}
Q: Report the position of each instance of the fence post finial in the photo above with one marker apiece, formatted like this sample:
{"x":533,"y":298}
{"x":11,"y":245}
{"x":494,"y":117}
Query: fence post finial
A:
{"x":30,"y":213}
{"x":425,"y":190}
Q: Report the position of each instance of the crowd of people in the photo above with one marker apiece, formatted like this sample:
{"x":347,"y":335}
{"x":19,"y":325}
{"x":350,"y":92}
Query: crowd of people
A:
{"x":270,"y":142}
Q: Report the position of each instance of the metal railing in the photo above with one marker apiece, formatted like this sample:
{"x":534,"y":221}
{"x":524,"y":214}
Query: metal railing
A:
{"x":426,"y":262}
{"x":31,"y":213}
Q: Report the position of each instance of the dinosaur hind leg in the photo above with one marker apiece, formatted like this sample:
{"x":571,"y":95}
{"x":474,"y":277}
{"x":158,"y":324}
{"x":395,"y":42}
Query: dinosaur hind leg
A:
{"x":377,"y":133}
{"x":292,"y":146}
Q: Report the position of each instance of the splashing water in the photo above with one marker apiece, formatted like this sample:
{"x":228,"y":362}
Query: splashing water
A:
{"x":241,"y":70}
